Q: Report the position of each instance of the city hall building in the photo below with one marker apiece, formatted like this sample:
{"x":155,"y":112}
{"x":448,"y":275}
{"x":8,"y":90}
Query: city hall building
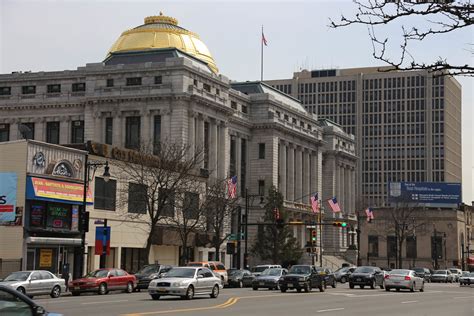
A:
{"x":159,"y":83}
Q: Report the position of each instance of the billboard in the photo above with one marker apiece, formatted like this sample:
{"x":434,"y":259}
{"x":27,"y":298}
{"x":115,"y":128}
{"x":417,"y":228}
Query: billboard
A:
{"x":8,"y":183}
{"x":52,"y":190}
{"x":437,"y":194}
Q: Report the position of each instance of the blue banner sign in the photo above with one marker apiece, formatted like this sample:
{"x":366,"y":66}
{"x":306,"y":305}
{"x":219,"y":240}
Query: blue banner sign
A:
{"x":425,"y":193}
{"x":8,"y":183}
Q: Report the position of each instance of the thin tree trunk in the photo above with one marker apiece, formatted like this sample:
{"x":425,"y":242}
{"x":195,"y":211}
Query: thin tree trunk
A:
{"x":145,"y":255}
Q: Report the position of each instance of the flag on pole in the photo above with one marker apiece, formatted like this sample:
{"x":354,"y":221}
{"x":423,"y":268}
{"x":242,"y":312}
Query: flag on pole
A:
{"x":232,"y":187}
{"x":370,"y":214}
{"x":264,"y":40}
{"x":334,"y":205}
{"x":315,"y":203}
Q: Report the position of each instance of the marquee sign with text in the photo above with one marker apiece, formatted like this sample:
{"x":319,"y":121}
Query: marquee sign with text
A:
{"x":52,"y":190}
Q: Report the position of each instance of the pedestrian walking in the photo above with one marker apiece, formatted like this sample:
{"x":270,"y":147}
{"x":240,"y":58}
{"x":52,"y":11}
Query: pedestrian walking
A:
{"x":66,"y":275}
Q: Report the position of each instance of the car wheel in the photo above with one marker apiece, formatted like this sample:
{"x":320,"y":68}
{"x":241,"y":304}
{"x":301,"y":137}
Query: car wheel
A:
{"x":387,"y":289}
{"x":21,"y":290}
{"x":75,"y":293}
{"x":277,"y":287}
{"x":255,"y":288}
{"x":155,"y":296}
{"x":190,"y":293}
{"x":422,"y":289}
{"x":129,"y":287}
{"x":321,"y":289}
{"x":55,"y":292}
{"x":372,"y":284}
{"x":398,"y":290}
{"x":343,"y":279}
{"x":351,"y":286}
{"x":412,"y":287}
{"x":283,"y":289}
{"x":334,"y":284}
{"x":362,"y":286}
{"x":215,"y":291}
{"x":241,"y":284}
{"x":298,"y":290}
{"x":103,"y":289}
{"x":381,"y":286}
{"x":307,"y":288}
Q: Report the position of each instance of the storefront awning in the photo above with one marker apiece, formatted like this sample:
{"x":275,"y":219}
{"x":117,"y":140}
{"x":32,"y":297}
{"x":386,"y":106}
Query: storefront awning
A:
{"x":56,"y":191}
{"x":54,"y":241}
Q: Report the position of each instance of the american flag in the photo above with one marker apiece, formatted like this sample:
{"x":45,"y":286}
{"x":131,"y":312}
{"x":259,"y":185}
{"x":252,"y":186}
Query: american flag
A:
{"x":334,"y":205}
{"x":370,"y":214}
{"x":315,"y":203}
{"x":264,"y":40}
{"x":232,"y":187}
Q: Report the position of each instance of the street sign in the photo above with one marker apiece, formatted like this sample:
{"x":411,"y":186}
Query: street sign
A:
{"x":311,"y":226}
{"x":98,"y":222}
{"x":236,"y":236}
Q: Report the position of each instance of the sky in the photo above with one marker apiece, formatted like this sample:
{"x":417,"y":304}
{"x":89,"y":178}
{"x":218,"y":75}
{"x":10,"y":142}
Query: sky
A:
{"x":58,"y":35}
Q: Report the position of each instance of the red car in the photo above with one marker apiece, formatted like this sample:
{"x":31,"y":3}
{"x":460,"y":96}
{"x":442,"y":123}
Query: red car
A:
{"x":104,"y":280}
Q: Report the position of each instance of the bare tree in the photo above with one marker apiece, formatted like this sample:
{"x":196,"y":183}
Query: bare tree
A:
{"x":219,"y":210}
{"x":149,"y":184}
{"x":441,"y":16}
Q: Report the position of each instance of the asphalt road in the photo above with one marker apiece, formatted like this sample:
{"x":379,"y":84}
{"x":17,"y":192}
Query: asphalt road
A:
{"x":438,"y":299}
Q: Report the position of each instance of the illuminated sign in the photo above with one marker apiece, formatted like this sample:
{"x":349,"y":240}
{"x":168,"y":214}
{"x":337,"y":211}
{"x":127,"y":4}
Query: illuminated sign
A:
{"x":52,"y":190}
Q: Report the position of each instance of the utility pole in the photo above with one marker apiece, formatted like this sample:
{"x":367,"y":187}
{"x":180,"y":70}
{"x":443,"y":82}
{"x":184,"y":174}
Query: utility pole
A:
{"x":321,"y":209}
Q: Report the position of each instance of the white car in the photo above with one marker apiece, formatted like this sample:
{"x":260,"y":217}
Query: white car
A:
{"x":404,"y":279}
{"x":467,"y":278}
{"x":257,"y":270}
{"x":36,"y":282}
{"x":456,"y":273}
{"x":186,"y":282}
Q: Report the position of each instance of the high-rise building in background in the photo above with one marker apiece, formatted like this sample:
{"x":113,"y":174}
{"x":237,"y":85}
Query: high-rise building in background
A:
{"x":407,"y":124}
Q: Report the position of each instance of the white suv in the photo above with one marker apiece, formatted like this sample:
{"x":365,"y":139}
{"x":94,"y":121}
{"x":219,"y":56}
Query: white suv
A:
{"x":257,"y":270}
{"x":456,"y":273}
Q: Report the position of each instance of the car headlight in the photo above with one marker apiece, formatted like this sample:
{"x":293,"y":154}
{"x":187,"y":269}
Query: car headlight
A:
{"x":177,"y":284}
{"x":302,"y":279}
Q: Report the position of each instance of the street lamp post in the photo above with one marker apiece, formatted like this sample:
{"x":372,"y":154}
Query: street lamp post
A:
{"x":246,"y":226}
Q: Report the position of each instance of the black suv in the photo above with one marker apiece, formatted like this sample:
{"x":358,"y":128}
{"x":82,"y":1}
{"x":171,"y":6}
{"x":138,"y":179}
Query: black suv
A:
{"x":424,"y":273}
{"x":366,"y":275}
{"x":148,"y":273}
{"x":302,"y":277}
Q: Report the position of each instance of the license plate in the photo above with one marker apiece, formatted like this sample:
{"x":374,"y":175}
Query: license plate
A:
{"x":161,"y":290}
{"x":77,"y":287}
{"x":358,"y":280}
{"x":261,"y":283}
{"x":290,"y":285}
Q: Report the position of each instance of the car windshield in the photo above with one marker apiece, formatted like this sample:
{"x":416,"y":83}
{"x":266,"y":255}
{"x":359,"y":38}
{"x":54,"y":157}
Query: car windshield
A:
{"x":147,"y":270}
{"x":299,"y":270}
{"x":181,"y":273}
{"x":259,"y":269}
{"x":340,"y":270}
{"x":471,"y":274}
{"x":465,"y":273}
{"x":272,"y":272}
{"x":453,"y":270}
{"x":17,"y":276}
{"x":440,"y":272}
{"x":364,"y":270}
{"x":235,"y":273}
{"x":194,"y":264}
{"x":400,"y":272}
{"x":97,"y":274}
{"x":419,"y":270}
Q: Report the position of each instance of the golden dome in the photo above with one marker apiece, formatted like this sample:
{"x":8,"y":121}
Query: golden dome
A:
{"x":161,"y":31}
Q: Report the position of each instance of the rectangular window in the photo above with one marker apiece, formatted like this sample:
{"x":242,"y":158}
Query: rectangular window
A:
{"x":5,"y":90}
{"x":261,"y":151}
{"x":411,"y":247}
{"x":206,"y":87}
{"x":244,"y":109}
{"x":104,"y":194}
{"x":158,"y":79}
{"x":53,"y":88}
{"x":233,"y":105}
{"x":135,"y":81}
{"x":191,"y":205}
{"x":157,"y":135}
{"x":52,"y":132}
{"x":58,"y":216}
{"x":27,"y":130}
{"x":137,"y":198}
{"x":77,"y":132}
{"x":110,"y":83}
{"x":78,"y":87}
{"x":132,"y":132}
{"x":436,"y":247}
{"x":109,"y":130}
{"x":28,"y":89}
{"x":391,"y":246}
{"x":261,"y":187}
{"x":373,"y":250}
{"x":169,"y":205}
{"x":4,"y":132}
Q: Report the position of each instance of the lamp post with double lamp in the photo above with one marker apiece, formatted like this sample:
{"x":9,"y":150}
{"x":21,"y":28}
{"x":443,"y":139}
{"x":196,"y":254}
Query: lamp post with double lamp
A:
{"x":84,"y":215}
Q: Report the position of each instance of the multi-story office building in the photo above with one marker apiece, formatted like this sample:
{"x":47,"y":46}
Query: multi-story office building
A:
{"x":407,"y":124}
{"x":159,"y":83}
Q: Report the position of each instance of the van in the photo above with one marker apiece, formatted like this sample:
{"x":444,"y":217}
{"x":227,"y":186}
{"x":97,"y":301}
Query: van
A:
{"x":217,"y":267}
{"x":257,"y":270}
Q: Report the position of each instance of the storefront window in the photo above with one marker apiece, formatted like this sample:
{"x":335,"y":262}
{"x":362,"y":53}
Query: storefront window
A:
{"x":59,"y":217}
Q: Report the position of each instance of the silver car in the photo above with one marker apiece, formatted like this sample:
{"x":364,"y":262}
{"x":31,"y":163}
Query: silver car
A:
{"x":442,"y":276}
{"x":186,"y":282}
{"x":36,"y":282}
{"x":404,"y":279}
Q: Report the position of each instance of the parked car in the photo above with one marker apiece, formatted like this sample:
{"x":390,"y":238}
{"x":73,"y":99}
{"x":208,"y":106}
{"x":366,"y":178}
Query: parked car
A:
{"x":257,"y":270}
{"x":36,"y":282}
{"x":13,"y":302}
{"x":329,"y":278}
{"x":424,"y":273}
{"x":269,"y":279}
{"x":456,"y":273}
{"x":342,"y":274}
{"x":442,"y":276}
{"x":239,"y":278}
{"x":104,"y":280}
{"x":301,"y":277}
{"x":404,"y":279}
{"x":366,"y":275}
{"x":148,"y":273}
{"x":186,"y":282}
{"x":467,"y":278}
{"x":216,"y":267}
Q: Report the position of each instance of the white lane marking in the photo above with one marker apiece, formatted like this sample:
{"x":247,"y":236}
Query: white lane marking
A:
{"x":102,"y":302}
{"x":461,"y":297}
{"x":408,"y":302}
{"x":330,"y":310}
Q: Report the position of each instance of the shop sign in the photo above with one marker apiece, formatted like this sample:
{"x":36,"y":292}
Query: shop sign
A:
{"x":8,"y":183}
{"x":52,"y":190}
{"x":46,"y":258}
{"x":75,"y":218}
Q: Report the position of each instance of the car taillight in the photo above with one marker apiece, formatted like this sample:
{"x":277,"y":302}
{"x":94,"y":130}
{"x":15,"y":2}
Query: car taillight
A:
{"x":387,"y":276}
{"x":407,"y":278}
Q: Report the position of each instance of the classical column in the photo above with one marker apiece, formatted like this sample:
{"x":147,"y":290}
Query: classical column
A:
{"x":40,"y":129}
{"x":223,"y":157}
{"x":147,"y":130}
{"x":353,"y":185}
{"x":283,"y":169}
{"x":213,"y":145}
{"x":191,"y":134}
{"x":200,"y":139}
{"x":238,"y":163}
{"x":340,"y":186}
{"x":291,"y":173}
{"x":347,"y":191}
{"x":306,"y":177}
{"x":314,"y":174}
{"x":299,"y":174}
{"x":118,"y":127}
{"x":166,"y":126}
{"x":64,"y":130}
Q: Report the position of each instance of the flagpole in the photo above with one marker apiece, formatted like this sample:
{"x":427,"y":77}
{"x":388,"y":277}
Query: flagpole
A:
{"x":261,"y":58}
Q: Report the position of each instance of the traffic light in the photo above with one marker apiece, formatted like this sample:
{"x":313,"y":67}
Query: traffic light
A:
{"x":84,"y":222}
{"x":314,"y":235}
{"x":230,"y":248}
{"x":339,"y":224}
